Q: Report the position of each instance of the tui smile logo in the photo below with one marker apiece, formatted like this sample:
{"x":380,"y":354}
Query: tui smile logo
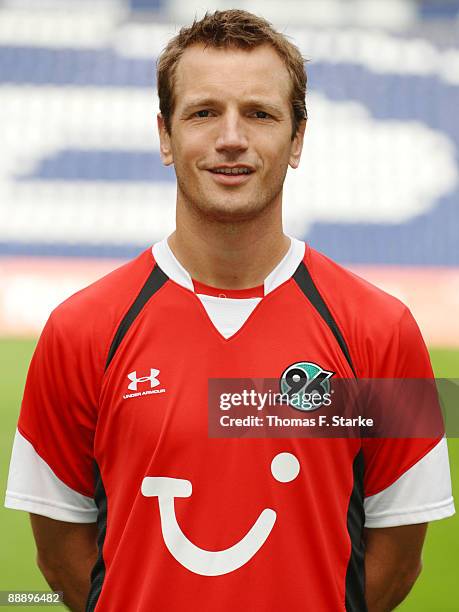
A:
{"x":307,"y":386}
{"x":285,"y":467}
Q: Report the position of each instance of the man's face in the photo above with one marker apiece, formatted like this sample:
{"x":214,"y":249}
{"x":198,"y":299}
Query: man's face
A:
{"x":232,"y":115}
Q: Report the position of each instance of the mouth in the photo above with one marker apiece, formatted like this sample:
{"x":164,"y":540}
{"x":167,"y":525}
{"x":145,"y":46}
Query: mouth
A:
{"x":231,"y":175}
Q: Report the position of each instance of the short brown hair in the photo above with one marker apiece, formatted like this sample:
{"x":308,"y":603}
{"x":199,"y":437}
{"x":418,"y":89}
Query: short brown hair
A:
{"x":225,"y":29}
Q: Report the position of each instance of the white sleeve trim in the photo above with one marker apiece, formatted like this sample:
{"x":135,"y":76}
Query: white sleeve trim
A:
{"x":422,"y":494}
{"x":33,"y":487}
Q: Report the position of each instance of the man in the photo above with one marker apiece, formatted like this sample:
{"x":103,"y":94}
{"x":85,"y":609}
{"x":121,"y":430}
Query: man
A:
{"x":113,"y":425}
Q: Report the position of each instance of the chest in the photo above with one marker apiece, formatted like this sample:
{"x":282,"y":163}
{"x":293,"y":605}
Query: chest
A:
{"x":158,"y":384}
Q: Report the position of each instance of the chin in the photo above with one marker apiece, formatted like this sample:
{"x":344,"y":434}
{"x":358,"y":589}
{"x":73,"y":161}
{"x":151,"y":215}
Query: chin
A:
{"x":233,"y":209}
{"x":232,"y":212}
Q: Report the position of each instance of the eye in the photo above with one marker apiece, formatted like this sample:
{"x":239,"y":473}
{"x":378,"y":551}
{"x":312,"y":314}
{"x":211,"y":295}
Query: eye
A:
{"x":202,"y":114}
{"x":261,"y":115}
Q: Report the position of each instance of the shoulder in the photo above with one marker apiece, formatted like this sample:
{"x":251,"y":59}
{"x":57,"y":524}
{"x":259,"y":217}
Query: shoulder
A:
{"x":111,"y":292}
{"x":90,"y":317}
{"x":347,"y":291}
{"x":377,"y":327}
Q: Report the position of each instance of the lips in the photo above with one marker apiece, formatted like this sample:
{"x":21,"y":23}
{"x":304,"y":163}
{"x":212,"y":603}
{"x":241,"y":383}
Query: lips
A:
{"x":231,"y":175}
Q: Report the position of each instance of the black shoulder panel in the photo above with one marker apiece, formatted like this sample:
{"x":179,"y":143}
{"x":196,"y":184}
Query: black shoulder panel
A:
{"x":154,"y":282}
{"x":307,"y":286}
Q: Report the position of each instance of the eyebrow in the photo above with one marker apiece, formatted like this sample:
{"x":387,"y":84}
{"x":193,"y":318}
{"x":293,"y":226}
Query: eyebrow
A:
{"x":249,"y":102}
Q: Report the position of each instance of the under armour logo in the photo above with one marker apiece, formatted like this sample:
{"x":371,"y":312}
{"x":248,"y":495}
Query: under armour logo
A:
{"x":135,"y":381}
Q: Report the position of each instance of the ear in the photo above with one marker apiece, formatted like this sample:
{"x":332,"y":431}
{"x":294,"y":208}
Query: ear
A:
{"x":297,"y":145}
{"x":165,"y":148}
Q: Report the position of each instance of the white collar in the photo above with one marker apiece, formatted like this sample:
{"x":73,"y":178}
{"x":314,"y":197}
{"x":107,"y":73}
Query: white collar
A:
{"x":170,"y":265}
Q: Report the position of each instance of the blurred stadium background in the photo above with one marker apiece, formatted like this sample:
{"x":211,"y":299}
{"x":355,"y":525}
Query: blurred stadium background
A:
{"x":82,"y":187}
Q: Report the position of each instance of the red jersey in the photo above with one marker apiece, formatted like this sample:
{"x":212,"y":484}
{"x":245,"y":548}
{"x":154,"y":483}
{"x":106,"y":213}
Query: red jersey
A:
{"x":115,"y":406}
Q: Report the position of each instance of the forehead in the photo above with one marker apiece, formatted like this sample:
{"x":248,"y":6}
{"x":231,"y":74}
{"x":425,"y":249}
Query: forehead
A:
{"x":231,"y":73}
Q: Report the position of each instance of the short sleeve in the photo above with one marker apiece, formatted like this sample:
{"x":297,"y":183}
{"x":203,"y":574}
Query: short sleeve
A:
{"x":406,"y":480}
{"x":420,"y":495}
{"x":51,"y":470}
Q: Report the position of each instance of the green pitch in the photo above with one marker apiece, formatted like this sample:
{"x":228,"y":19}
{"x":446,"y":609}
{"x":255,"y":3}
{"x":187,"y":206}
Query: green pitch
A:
{"x":437,"y":590}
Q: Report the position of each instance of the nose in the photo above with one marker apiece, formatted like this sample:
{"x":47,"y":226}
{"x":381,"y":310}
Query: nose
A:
{"x":231,"y":136}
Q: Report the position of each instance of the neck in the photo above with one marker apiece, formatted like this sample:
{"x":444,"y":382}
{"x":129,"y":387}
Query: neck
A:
{"x":229,"y":255}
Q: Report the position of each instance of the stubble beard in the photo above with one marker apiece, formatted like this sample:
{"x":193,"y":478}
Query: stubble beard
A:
{"x":232,"y":210}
